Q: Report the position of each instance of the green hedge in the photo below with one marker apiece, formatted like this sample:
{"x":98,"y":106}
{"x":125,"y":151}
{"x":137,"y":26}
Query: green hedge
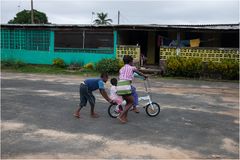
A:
{"x":108,"y":65}
{"x":195,"y":68}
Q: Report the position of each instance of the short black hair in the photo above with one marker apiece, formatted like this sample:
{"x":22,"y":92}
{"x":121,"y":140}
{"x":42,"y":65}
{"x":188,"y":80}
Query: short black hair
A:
{"x":127,"y":59}
{"x":113,"y":81}
{"x":104,"y":74}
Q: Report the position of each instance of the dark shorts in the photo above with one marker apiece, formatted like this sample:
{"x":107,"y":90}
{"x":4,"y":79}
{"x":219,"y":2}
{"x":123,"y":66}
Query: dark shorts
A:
{"x":86,"y":95}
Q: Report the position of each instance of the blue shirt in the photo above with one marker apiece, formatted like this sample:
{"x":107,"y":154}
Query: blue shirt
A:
{"x":94,"y":84}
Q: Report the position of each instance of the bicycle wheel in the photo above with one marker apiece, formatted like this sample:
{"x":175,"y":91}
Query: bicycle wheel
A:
{"x":153,"y":109}
{"x":114,"y":110}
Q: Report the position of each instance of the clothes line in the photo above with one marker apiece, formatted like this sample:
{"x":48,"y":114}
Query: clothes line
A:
{"x":165,"y":41}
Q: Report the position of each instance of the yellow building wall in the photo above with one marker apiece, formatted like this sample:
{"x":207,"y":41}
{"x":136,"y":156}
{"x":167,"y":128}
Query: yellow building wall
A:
{"x":130,"y":50}
{"x":206,"y":54}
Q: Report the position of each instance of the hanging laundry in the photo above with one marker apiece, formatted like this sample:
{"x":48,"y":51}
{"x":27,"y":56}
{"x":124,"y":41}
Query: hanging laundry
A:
{"x":194,"y":42}
{"x":174,"y":43}
{"x":184,"y":43}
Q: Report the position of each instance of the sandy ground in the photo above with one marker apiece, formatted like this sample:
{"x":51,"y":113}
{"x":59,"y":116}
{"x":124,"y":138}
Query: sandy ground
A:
{"x":198,"y":119}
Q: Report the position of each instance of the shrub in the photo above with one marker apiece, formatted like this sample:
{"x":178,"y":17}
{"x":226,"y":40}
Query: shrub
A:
{"x":173,"y":66}
{"x":229,"y":69}
{"x":89,"y":66}
{"x":7,"y":63}
{"x":19,"y":64}
{"x":58,"y":62}
{"x":108,"y":65}
{"x":194,"y":67}
{"x":12,"y":63}
{"x":120,"y":64}
{"x":179,"y":66}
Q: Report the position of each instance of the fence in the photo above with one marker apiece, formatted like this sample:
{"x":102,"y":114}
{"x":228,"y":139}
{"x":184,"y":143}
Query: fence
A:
{"x":206,"y":54}
{"x":131,"y":50}
{"x":86,"y":50}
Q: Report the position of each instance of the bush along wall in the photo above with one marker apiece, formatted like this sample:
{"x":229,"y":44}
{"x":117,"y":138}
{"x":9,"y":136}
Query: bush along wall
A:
{"x":196,"y":68}
{"x":108,"y":65}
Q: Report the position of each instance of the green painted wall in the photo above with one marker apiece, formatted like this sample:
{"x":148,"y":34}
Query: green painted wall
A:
{"x":46,"y":57}
{"x":43,"y":57}
{"x":115,"y":36}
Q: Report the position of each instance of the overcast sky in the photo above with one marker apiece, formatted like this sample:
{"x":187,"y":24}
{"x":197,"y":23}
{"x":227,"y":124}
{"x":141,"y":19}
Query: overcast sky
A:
{"x":131,"y":12}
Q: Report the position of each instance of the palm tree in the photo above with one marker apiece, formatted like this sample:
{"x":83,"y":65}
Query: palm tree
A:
{"x":102,"y":19}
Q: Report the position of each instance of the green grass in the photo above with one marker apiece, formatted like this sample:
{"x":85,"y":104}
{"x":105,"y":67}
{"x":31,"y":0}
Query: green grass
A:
{"x":47,"y":69}
{"x":193,"y":79}
{"x":50,"y":69}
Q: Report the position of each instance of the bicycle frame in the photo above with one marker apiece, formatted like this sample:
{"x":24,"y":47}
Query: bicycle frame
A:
{"x":152,"y":108}
{"x":147,"y":99}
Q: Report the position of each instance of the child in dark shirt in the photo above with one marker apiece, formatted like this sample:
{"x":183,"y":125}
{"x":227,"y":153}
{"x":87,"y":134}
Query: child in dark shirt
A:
{"x":86,"y":89}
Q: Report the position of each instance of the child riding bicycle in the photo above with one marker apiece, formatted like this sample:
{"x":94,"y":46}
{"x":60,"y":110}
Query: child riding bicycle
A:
{"x":126,"y":74}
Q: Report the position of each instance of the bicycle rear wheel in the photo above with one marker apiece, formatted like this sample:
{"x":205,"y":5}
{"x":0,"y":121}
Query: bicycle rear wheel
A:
{"x":153,"y":109}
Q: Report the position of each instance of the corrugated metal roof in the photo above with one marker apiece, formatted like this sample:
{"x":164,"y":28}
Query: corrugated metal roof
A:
{"x":131,"y":26}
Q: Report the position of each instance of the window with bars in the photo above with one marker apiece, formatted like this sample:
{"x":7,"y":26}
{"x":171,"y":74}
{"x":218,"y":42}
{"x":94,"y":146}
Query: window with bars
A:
{"x":25,"y":39}
{"x":81,"y":41}
{"x":68,"y":39}
{"x":98,"y":39}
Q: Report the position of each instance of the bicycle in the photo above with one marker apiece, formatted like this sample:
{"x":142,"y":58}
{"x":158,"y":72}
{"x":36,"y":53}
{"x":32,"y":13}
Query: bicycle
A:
{"x":152,"y":108}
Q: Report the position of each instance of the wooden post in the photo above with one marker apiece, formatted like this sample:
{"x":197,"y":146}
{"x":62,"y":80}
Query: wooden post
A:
{"x":178,"y":43}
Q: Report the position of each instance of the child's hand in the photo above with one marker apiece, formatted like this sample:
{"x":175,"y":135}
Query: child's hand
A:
{"x":112,"y":102}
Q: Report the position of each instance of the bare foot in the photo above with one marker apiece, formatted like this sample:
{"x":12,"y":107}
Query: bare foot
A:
{"x":134,"y":110}
{"x":121,"y":120}
{"x":77,"y":115}
{"x":94,"y":115}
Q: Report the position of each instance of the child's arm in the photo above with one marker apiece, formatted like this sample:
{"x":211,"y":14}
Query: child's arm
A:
{"x":103,"y":92}
{"x":105,"y":95}
{"x":140,"y":73}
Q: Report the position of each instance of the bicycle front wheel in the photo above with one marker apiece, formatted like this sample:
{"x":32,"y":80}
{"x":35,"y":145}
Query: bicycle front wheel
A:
{"x":152,"y":109}
{"x":114,"y":110}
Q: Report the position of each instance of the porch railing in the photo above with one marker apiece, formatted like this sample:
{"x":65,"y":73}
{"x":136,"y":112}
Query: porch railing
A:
{"x":206,"y":54}
{"x":85,"y":50}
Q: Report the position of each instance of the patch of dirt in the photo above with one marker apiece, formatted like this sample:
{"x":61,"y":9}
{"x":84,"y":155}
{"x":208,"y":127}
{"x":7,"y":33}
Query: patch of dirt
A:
{"x":230,"y":112}
{"x":51,"y":134}
{"x":139,"y":150}
{"x":229,"y":145}
{"x":230,"y":99}
{"x":236,"y":121}
{"x":8,"y":126}
{"x":109,"y":149}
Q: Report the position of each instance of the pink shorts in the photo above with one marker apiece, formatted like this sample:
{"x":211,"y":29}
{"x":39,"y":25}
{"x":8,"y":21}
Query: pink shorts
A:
{"x":118,"y":100}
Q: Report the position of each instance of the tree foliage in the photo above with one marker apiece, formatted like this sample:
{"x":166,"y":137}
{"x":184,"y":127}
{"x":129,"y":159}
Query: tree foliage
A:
{"x":24,"y":17}
{"x":102,"y":19}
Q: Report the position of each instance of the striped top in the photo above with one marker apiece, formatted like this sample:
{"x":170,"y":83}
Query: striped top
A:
{"x":126,"y":72}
